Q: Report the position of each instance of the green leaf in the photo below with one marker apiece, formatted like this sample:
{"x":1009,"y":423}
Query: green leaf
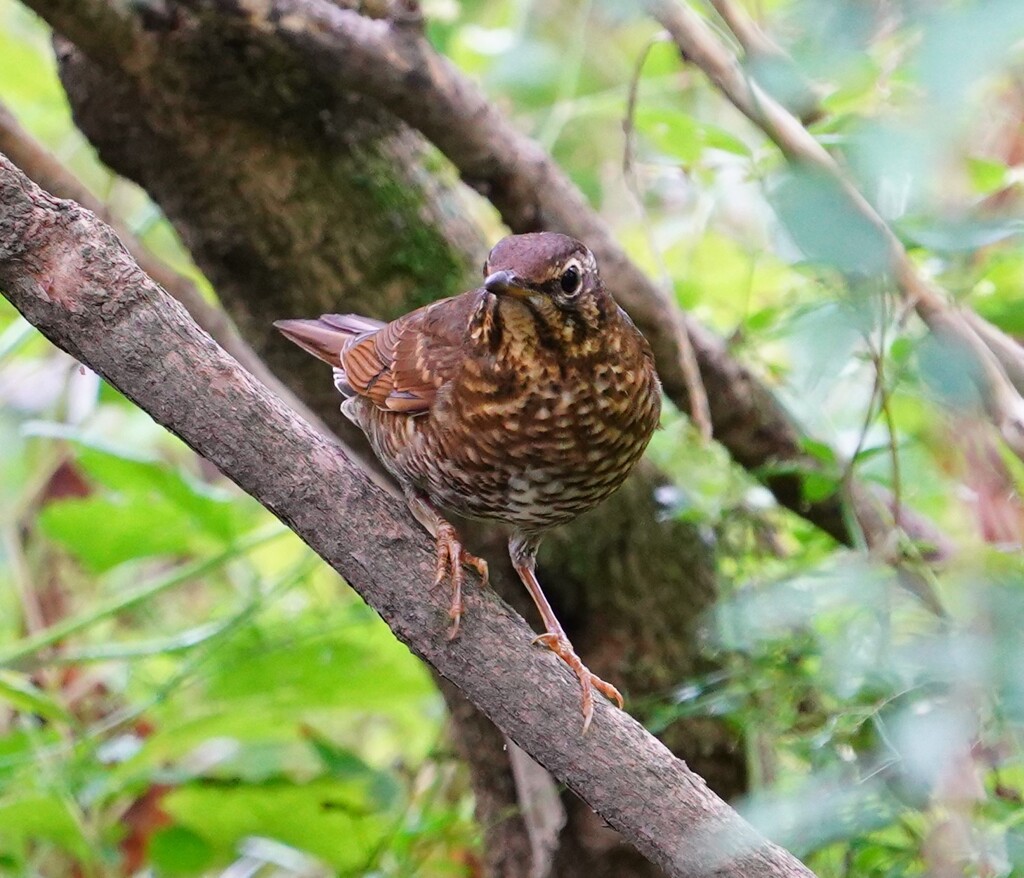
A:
{"x":149,"y":508}
{"x":20,"y":691}
{"x":762,"y":319}
{"x":671,"y":132}
{"x":872,"y":451}
{"x":950,"y":372}
{"x":683,"y":137}
{"x":300,"y":668}
{"x":40,"y":817}
{"x":901,"y":349}
{"x":325,"y":818}
{"x":959,"y":236}
{"x":817,"y":486}
{"x":177,"y":850}
{"x":987,"y":176}
{"x":344,"y":764}
{"x":202,"y":507}
{"x":826,"y":226}
{"x":102,"y":533}
{"x":819,"y":450}
{"x":1006,"y":308}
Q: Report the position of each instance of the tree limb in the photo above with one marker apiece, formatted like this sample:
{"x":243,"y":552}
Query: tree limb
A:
{"x":994,"y":356}
{"x":44,"y":169}
{"x":69,"y":275}
{"x":759,"y":48}
{"x":755,"y":42}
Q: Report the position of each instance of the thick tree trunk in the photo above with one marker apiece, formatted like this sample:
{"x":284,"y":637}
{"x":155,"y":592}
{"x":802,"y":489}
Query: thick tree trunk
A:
{"x":294,"y":204}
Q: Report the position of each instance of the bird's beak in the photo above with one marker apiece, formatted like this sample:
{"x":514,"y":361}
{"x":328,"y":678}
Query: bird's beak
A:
{"x":505,"y":283}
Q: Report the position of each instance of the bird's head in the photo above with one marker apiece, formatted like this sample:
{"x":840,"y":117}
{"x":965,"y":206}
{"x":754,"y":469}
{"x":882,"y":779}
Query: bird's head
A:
{"x":555,"y":275}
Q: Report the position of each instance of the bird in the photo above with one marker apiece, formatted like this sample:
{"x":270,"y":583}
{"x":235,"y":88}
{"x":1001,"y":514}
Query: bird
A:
{"x":527,"y":400}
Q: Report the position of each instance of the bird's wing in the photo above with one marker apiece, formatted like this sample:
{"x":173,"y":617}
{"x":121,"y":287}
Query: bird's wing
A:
{"x":402,"y":366}
{"x":326,"y":337}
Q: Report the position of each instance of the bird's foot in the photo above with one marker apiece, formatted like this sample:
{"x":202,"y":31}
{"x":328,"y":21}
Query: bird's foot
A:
{"x":559,"y":644}
{"x":450,"y":559}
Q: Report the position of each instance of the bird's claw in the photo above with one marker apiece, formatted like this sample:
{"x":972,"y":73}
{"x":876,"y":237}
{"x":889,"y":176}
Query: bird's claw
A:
{"x":450,"y":559}
{"x":559,"y":644}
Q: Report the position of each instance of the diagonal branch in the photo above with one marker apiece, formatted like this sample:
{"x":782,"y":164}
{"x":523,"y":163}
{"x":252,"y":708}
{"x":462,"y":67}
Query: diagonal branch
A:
{"x":755,"y":42}
{"x":69,"y":275}
{"x":995,"y":357}
{"x":44,"y":169}
{"x":758,"y":47}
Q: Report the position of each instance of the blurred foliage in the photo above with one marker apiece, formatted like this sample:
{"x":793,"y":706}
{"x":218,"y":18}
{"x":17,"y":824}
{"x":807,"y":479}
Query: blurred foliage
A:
{"x":183,"y":687}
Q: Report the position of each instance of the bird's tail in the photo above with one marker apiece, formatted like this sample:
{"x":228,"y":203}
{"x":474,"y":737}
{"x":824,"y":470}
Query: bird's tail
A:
{"x":327,"y":336}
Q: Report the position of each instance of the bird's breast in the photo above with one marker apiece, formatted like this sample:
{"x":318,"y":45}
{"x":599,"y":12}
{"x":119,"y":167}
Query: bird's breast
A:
{"x":528,"y":436}
{"x":546,"y":440}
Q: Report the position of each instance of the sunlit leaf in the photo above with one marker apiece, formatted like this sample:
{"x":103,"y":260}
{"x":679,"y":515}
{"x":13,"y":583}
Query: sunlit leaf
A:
{"x":825,"y":225}
{"x":179,"y":851}
{"x":987,"y":175}
{"x":102,"y":533}
{"x":321,"y":818}
{"x":817,"y":486}
{"x":33,"y":817}
{"x":20,"y":692}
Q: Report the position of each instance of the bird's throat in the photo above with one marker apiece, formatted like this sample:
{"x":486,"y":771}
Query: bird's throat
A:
{"x":515,"y":327}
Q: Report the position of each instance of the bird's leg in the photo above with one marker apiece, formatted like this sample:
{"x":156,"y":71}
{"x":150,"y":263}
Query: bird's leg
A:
{"x":523,"y":550}
{"x":450,"y":554}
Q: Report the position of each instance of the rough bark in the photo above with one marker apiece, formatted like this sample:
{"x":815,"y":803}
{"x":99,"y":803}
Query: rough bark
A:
{"x":292,"y":209}
{"x":68,"y":275}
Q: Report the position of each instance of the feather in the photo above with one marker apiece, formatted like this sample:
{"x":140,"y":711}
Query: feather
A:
{"x":399,"y":366}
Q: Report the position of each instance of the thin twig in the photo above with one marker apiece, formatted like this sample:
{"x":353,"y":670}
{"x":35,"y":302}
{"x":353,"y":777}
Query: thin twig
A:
{"x":894,"y":455}
{"x":878,"y":356}
{"x":753,"y":40}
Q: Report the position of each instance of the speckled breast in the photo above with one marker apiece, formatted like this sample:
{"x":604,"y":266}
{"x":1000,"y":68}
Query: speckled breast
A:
{"x":532,"y":448}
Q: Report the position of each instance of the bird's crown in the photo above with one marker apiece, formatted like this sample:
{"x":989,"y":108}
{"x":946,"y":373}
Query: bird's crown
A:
{"x":544,"y":263}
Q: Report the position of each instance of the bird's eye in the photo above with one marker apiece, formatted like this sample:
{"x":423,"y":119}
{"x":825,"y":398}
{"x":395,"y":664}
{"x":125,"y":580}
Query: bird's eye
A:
{"x":570,"y":279}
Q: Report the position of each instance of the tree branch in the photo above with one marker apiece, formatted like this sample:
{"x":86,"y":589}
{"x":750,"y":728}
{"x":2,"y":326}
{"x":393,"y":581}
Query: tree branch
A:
{"x":44,"y":169}
{"x":993,"y":355}
{"x":758,"y":47}
{"x":69,"y":275}
{"x":100,"y":26}
{"x":755,"y":42}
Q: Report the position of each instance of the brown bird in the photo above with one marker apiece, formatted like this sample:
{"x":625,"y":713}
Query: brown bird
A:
{"x":527,"y":401}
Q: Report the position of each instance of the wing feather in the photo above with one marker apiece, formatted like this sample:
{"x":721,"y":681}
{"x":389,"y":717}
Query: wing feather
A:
{"x":402,"y":366}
